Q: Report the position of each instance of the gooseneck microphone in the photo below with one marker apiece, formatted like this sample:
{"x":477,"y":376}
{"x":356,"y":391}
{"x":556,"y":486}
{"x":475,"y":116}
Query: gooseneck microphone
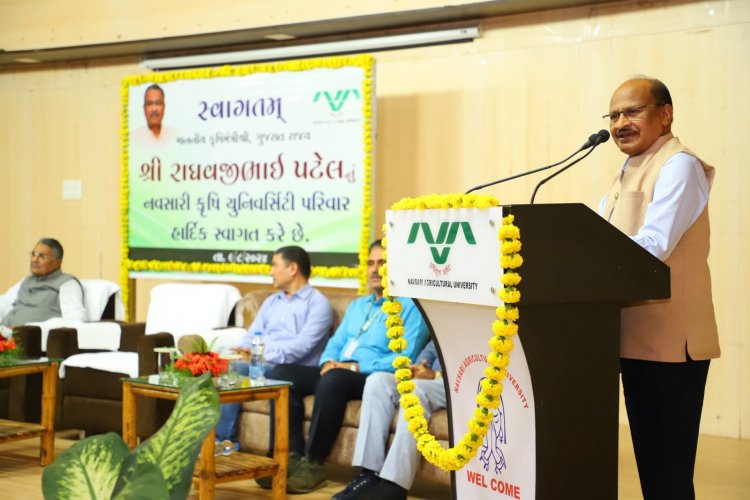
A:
{"x":593,"y":141}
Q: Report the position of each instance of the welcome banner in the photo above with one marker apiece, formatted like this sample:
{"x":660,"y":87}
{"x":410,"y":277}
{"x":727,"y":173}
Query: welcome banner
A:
{"x":223,"y":166}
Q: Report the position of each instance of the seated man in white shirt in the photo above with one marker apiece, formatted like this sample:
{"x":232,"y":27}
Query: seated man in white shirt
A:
{"x":46,"y":293}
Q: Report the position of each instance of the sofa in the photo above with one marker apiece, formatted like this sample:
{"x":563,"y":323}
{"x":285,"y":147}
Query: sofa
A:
{"x":253,"y":426}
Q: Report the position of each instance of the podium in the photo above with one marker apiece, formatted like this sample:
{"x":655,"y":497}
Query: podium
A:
{"x":578,"y":272}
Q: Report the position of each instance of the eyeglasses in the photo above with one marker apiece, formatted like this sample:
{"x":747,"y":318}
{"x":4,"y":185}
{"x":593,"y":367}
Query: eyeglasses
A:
{"x":631,"y":113}
{"x":40,"y":256}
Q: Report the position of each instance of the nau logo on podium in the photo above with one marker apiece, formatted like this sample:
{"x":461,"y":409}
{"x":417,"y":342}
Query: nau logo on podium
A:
{"x":447,"y":233}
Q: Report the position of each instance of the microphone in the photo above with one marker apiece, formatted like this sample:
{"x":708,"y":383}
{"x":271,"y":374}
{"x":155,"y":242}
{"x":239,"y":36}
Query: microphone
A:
{"x":593,"y":141}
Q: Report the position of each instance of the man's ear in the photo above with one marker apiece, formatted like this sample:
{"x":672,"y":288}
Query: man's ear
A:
{"x":667,"y":115}
{"x":293,"y":268}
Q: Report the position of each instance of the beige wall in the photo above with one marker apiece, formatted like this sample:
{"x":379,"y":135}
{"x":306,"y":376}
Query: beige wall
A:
{"x":527,"y":93}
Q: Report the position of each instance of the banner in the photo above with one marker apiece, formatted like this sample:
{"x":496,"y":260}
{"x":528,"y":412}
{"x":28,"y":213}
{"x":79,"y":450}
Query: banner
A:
{"x":223,"y":166}
{"x":449,"y":260}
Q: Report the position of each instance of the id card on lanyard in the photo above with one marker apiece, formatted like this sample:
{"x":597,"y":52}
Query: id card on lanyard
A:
{"x":348,"y":351}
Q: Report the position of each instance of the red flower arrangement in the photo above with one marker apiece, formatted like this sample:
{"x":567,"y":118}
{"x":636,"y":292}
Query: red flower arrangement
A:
{"x":7,"y":344}
{"x":9,"y":348}
{"x":198,"y":363}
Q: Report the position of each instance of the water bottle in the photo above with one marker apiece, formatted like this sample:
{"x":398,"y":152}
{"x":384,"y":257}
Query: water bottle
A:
{"x":258,"y":360}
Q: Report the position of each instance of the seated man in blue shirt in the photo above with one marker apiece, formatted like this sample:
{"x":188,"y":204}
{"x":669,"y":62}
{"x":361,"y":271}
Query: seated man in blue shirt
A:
{"x":359,"y":347}
{"x":295,"y":322}
{"x":395,"y":470}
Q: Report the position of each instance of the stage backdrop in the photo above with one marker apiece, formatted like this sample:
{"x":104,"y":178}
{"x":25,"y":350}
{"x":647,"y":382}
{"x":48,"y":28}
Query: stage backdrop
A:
{"x":249,"y":159}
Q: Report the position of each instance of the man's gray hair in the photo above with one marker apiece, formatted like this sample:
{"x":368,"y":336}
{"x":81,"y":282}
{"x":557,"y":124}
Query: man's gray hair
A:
{"x":55,"y":245}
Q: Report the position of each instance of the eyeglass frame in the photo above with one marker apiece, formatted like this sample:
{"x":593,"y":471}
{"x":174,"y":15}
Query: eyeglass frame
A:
{"x":41,"y":256}
{"x":630,"y":113}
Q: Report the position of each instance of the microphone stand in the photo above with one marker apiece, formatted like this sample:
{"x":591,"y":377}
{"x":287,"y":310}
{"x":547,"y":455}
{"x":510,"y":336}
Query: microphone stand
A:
{"x":566,"y":167}
{"x":481,"y":186}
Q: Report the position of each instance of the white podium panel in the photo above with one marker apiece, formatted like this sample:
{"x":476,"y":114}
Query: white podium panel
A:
{"x":505,"y":466}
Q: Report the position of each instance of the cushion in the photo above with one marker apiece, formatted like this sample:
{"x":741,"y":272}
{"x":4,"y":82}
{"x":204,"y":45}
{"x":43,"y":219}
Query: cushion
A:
{"x":180,"y":308}
{"x":96,"y":294}
{"x":115,"y":362}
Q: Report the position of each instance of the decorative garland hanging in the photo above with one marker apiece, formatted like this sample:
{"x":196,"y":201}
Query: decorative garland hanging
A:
{"x":501,"y":343}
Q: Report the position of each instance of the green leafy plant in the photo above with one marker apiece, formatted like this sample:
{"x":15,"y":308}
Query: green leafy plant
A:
{"x":101,"y":467}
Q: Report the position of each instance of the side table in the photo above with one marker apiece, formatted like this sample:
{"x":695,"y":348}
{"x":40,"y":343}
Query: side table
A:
{"x":11,"y":430}
{"x":211,"y":470}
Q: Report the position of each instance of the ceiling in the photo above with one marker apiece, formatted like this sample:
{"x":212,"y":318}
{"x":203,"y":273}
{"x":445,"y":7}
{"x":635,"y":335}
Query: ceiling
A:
{"x":304,"y":33}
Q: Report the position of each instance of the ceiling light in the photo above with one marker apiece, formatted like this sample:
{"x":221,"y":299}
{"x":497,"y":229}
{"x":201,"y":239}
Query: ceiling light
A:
{"x":352,"y":46}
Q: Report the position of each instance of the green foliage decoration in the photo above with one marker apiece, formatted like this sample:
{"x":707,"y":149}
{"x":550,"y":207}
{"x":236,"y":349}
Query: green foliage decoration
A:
{"x":101,"y":467}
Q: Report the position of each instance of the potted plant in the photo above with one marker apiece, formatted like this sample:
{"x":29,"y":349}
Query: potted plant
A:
{"x":102,"y":466}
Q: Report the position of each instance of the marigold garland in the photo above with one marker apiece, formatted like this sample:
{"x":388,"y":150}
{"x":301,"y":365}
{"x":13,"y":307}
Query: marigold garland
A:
{"x":366,"y":62}
{"x":501,"y":343}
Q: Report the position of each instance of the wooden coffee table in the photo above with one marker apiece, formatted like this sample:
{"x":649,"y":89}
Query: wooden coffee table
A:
{"x":11,"y":430}
{"x":210,"y":469}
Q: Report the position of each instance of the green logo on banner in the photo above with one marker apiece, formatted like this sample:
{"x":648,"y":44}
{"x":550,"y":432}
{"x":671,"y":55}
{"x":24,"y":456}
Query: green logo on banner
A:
{"x":446,"y":236}
{"x":337,"y":102}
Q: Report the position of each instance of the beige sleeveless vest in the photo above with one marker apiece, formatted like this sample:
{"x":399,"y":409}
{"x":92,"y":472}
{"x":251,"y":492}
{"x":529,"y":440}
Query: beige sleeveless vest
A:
{"x":662,"y":330}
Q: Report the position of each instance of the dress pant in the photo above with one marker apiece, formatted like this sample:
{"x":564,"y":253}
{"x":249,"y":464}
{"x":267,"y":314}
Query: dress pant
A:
{"x":332,"y":392}
{"x":664,"y":403}
{"x":379,"y":403}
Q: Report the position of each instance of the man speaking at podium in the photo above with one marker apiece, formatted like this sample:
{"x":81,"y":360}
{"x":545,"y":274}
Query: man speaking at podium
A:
{"x":660,"y":199}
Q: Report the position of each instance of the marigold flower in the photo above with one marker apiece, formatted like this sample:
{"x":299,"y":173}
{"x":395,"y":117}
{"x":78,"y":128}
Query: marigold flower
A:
{"x":395,"y":332}
{"x":510,"y":278}
{"x":401,"y":362}
{"x":405,"y":387}
{"x":507,"y":312}
{"x":397,"y":345}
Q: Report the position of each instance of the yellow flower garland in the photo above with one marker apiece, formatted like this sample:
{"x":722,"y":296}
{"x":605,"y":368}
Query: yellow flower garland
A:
{"x":501,"y":342}
{"x":127,"y":265}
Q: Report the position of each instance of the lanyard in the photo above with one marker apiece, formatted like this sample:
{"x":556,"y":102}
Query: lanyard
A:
{"x":368,"y":320}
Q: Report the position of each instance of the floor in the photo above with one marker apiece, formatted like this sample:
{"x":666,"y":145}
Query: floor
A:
{"x":722,"y":472}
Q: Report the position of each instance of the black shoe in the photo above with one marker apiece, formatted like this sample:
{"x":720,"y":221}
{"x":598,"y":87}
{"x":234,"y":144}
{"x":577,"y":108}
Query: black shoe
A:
{"x":356,"y":486}
{"x":384,"y":490}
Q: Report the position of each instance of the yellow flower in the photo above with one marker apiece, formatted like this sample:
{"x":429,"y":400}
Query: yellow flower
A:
{"x":395,"y":332}
{"x":498,"y":360}
{"x":504,"y":328}
{"x":510,"y":278}
{"x":513,"y":261}
{"x":510,"y":295}
{"x":491,"y":387}
{"x":401,"y":362}
{"x":414,"y":412}
{"x":393,"y":321}
{"x":508,"y":232}
{"x":501,"y":344}
{"x":494,"y":373}
{"x":416,"y":424}
{"x":405,"y":387}
{"x":477,"y":427}
{"x":409,"y":400}
{"x":391,"y":307}
{"x":397,"y":345}
{"x":484,"y":416}
{"x":403,"y":374}
{"x":510,"y":247}
{"x":486,"y":401}
{"x":507,"y":312}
